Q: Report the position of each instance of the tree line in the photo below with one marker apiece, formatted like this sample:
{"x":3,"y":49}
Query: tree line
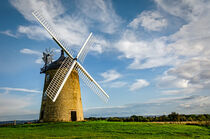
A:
{"x":175,"y":117}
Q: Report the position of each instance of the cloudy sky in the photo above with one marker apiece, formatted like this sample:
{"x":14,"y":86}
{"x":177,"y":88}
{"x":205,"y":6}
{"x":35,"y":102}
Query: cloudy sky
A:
{"x":151,"y":56}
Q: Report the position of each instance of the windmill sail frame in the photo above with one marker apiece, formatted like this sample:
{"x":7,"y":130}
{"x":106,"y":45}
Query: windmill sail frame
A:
{"x":53,"y":34}
{"x":69,"y":64}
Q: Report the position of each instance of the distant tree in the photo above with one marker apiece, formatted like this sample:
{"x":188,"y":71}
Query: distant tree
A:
{"x":134,"y":118}
{"x":174,"y":116}
{"x":171,"y":117}
{"x":183,"y":118}
{"x":190,"y":119}
{"x":150,"y":119}
{"x":201,"y":118}
{"x":115,"y":119}
{"x":141,"y":118}
{"x":194,"y":117}
{"x":156,"y":119}
{"x":164,"y":118}
{"x":207,"y":117}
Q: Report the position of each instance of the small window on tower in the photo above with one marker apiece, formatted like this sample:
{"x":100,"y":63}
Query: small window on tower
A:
{"x":48,"y":77}
{"x":45,"y":96}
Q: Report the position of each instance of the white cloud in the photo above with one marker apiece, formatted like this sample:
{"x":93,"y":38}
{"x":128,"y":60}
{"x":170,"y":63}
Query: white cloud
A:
{"x":185,"y":9}
{"x":191,"y":43}
{"x":168,"y":81}
{"x":29,"y":51}
{"x":9,"y":33}
{"x":110,"y":75}
{"x":34,"y":32}
{"x":72,"y":28}
{"x":14,"y":103}
{"x":183,"y":91}
{"x":186,"y":51}
{"x":10,"y":104}
{"x":192,"y":76}
{"x":171,"y":92}
{"x":102,"y":12}
{"x":26,"y":7}
{"x":140,"y":83}
{"x":110,"y":78}
{"x":33,"y":52}
{"x":145,"y":54}
{"x":190,"y":40}
{"x":117,"y":84}
{"x":195,"y":70}
{"x":8,"y":89}
{"x":150,"y":20}
{"x":100,"y":44}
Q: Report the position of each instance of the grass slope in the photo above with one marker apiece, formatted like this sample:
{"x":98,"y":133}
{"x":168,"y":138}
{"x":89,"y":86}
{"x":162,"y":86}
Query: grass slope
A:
{"x":103,"y":129}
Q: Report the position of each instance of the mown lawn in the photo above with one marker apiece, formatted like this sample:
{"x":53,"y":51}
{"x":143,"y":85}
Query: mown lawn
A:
{"x":103,"y":129}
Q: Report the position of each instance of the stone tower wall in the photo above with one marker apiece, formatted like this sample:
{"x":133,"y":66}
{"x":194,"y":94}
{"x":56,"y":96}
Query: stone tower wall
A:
{"x":68,"y":100}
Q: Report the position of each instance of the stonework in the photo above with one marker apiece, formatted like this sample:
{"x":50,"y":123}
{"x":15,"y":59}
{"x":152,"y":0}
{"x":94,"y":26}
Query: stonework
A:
{"x":68,"y":105}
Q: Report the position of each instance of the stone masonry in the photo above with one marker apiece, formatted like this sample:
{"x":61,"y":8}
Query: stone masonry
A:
{"x":68,"y":105}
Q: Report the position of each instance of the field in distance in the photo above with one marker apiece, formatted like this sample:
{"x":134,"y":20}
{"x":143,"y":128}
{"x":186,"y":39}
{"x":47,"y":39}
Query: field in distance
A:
{"x":104,"y":129}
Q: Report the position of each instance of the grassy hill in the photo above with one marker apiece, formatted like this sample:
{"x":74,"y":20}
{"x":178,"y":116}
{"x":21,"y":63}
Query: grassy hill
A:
{"x":104,"y":129}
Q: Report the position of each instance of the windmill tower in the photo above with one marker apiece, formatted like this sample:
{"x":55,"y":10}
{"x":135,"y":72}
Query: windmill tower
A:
{"x":68,"y":106}
{"x":61,"y":100}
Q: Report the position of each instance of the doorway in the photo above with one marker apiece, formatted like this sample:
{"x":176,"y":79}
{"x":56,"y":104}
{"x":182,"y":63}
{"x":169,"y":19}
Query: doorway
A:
{"x":73,"y":116}
{"x":41,"y":115}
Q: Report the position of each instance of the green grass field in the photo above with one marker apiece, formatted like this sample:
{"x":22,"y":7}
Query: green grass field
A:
{"x":103,"y":129}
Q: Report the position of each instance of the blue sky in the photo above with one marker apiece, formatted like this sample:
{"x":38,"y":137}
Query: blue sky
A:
{"x":150,"y":56}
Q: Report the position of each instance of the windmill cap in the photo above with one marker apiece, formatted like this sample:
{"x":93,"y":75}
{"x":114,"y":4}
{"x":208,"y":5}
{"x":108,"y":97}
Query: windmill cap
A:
{"x":56,"y":64}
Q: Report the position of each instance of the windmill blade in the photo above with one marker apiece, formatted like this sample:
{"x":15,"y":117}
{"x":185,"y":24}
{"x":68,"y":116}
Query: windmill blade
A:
{"x":64,"y":45}
{"x":90,"y":82}
{"x":85,"y":48}
{"x":60,"y":78}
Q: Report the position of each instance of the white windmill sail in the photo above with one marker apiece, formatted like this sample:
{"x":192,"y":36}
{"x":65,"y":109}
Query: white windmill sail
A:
{"x":85,"y":48}
{"x":69,"y":64}
{"x":60,"y":78}
{"x":63,"y":44}
{"x":91,"y":83}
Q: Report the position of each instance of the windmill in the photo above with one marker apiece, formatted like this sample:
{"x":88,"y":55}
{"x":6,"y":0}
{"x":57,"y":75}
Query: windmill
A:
{"x":61,"y":96}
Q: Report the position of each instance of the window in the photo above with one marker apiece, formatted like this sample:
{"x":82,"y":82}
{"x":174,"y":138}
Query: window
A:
{"x":48,"y":77}
{"x":45,"y":96}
